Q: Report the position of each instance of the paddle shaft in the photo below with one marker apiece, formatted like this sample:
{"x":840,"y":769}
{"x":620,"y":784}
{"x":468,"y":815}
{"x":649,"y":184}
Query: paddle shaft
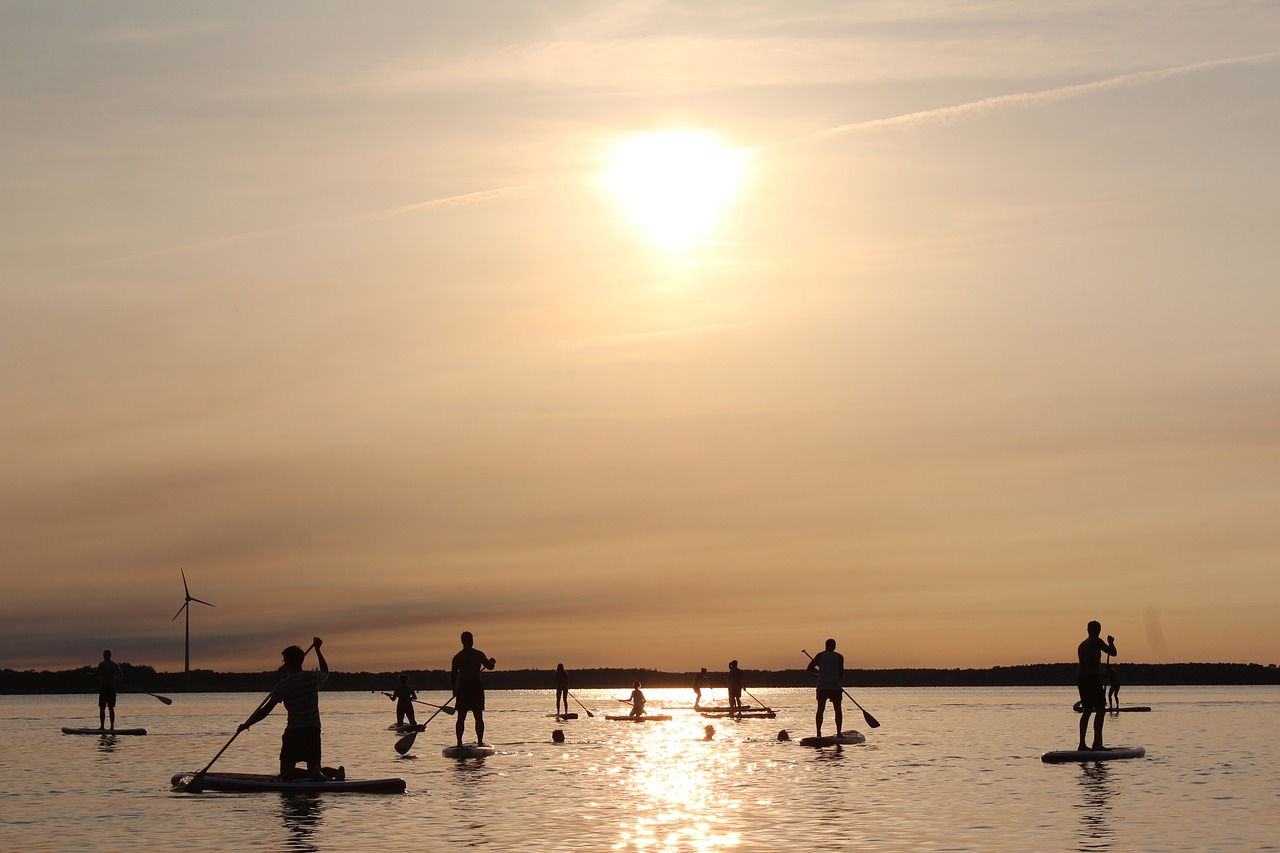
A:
{"x":754,"y":699}
{"x":580,"y":705}
{"x":406,"y":743}
{"x":194,"y":783}
{"x":871,"y":721}
{"x":165,"y":699}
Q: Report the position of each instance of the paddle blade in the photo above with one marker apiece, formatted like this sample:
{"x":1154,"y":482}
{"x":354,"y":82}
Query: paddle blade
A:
{"x":871,"y":721}
{"x":406,"y":743}
{"x":165,"y":699}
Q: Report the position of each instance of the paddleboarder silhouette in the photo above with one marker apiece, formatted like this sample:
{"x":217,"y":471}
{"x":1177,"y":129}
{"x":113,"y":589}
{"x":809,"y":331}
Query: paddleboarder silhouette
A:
{"x":299,"y":690}
{"x":107,"y":673}
{"x":562,"y":689}
{"x":464,"y":678}
{"x":829,"y":665}
{"x":403,"y":696}
{"x":1093,"y":697}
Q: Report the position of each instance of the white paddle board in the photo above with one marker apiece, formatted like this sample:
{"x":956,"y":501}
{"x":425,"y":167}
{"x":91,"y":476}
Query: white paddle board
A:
{"x":470,"y":751}
{"x":1063,"y":756}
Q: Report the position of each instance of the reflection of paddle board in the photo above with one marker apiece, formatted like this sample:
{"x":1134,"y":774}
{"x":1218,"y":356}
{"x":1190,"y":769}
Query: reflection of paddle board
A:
{"x":405,"y":727}
{"x":569,"y":716}
{"x":252,"y":782}
{"x":1063,"y":756}
{"x":846,"y":737}
{"x":71,"y":730}
{"x":475,"y":750}
{"x":1076,"y":708}
{"x":643,"y":718}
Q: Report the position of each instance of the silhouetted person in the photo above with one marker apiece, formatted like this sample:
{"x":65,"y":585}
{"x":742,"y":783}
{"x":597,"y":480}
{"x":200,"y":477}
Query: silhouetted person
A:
{"x":107,"y":673}
{"x":829,"y":665}
{"x":562,"y":689}
{"x":558,"y":736}
{"x":637,"y":700}
{"x":299,"y":690}
{"x":1093,"y":697}
{"x":700,"y":681}
{"x":403,"y":697}
{"x":464,"y":678}
{"x":737,"y":680}
{"x":1113,"y":688}
{"x":708,"y":732}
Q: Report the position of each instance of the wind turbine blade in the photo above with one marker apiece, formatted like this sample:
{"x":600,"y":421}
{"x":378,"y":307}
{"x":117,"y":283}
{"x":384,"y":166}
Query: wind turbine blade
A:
{"x":203,"y":602}
{"x":179,"y":613}
{"x":185,"y":589}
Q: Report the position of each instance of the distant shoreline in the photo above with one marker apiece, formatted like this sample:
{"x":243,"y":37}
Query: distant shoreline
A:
{"x":146,"y":678}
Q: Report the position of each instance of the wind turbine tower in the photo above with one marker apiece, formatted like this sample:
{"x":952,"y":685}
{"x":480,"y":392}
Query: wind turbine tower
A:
{"x":186,"y":605}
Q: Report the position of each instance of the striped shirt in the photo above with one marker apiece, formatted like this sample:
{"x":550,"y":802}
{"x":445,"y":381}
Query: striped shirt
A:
{"x":300,"y":693}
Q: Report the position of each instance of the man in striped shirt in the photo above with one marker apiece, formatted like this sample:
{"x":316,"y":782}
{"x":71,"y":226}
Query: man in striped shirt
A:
{"x":300,"y":693}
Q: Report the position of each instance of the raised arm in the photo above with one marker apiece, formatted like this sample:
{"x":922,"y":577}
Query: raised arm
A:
{"x":324,"y":664}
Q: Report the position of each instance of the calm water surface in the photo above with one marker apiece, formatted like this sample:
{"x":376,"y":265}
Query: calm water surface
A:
{"x":949,"y":770}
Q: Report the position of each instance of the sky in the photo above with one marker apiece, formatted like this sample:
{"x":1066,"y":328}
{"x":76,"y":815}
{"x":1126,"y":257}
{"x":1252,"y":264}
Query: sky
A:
{"x":649,"y":334}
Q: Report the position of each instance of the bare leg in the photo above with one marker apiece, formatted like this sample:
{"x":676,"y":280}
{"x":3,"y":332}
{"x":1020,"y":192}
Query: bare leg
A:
{"x":1084,"y":727}
{"x":822,"y":704}
{"x":839,"y":716}
{"x":460,"y":726}
{"x":479,"y":715}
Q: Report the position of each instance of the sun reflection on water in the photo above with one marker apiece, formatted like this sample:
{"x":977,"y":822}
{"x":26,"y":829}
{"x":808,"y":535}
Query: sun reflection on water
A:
{"x":677,"y":781}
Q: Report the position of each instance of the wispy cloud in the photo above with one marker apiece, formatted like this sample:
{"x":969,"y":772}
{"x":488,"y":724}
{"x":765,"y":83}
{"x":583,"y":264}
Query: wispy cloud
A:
{"x":642,"y":337}
{"x":971,"y":109}
{"x":464,"y":200}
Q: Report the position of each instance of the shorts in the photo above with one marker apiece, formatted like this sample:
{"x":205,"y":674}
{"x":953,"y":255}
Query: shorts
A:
{"x":470,"y":696}
{"x":834,"y":694}
{"x":107,"y":697}
{"x":300,"y":745}
{"x":1093,"y":696}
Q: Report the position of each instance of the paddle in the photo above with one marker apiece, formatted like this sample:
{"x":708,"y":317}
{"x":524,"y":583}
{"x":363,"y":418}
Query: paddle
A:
{"x":754,"y":699}
{"x":193,"y":784}
{"x":580,"y":705}
{"x":406,"y":743}
{"x":871,"y":721}
{"x":445,"y":708}
{"x":165,"y":699}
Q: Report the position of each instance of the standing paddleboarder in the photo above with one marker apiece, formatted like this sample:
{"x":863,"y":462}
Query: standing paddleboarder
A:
{"x":403,"y":697}
{"x":562,"y":690}
{"x":107,"y":673}
{"x":1093,"y":697}
{"x":829,"y":665}
{"x":737,"y":681}
{"x":468,"y":689}
{"x":299,"y":690}
{"x":700,"y":681}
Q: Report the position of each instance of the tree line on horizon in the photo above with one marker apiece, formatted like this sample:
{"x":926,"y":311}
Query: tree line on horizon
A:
{"x":146,"y":678}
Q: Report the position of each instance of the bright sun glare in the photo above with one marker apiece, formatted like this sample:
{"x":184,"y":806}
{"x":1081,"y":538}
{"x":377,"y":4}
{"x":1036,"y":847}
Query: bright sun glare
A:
{"x":675,"y":184}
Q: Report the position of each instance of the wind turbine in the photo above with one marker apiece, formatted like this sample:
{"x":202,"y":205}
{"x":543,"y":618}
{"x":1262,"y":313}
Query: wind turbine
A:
{"x":186,"y":605}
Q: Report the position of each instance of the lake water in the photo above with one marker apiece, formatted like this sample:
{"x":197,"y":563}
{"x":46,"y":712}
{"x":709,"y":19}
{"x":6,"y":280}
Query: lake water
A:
{"x":950,"y":769}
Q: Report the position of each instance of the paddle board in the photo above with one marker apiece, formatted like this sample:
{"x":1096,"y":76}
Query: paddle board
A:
{"x":405,"y":727}
{"x":72,"y":730}
{"x":569,"y":716}
{"x":1063,"y":756}
{"x":471,"y":751}
{"x":727,"y":709}
{"x":745,"y":715}
{"x":1076,"y":708}
{"x":849,"y":736}
{"x":643,"y":718}
{"x":255,"y":782}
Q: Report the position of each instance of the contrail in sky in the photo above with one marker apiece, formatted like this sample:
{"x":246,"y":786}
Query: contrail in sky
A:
{"x":941,"y":115}
{"x":464,"y":200}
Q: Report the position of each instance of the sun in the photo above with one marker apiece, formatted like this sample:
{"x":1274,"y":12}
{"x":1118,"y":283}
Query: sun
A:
{"x":675,"y":184}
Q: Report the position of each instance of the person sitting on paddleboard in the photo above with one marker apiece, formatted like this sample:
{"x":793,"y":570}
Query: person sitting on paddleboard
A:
{"x":403,"y":697}
{"x":299,"y":690}
{"x":829,"y":665}
{"x":700,"y":681}
{"x":737,"y":681}
{"x":637,"y":701}
{"x":562,"y":689}
{"x":468,"y":689}
{"x":107,"y":673}
{"x":1093,"y":697}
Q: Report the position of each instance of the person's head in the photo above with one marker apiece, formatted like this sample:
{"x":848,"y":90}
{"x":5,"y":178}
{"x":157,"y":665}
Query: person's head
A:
{"x":831,"y":645}
{"x":733,"y":664}
{"x":1095,"y":628}
{"x":293,"y":657}
{"x":558,"y":735}
{"x":106,"y":654}
{"x":704,"y":670}
{"x":635,"y":685}
{"x":467,"y":639}
{"x":784,"y":735}
{"x":559,"y":667}
{"x":708,"y":732}
{"x":404,"y":678}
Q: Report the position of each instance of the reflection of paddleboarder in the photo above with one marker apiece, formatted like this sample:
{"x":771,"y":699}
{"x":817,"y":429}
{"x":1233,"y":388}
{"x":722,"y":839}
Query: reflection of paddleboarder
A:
{"x":1093,"y":698}
{"x":562,"y":689}
{"x":829,"y":664}
{"x":464,"y":678}
{"x":108,"y":673}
